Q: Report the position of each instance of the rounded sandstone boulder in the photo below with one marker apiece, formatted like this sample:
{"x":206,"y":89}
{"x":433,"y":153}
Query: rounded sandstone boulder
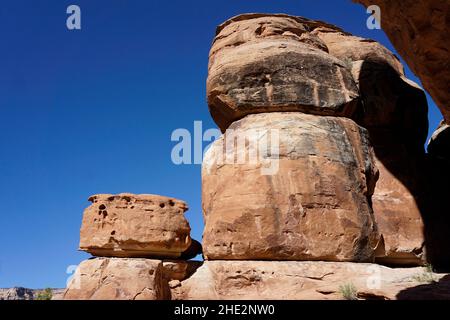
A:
{"x":305,"y":197}
{"x":269,"y":63}
{"x":128,"y":225}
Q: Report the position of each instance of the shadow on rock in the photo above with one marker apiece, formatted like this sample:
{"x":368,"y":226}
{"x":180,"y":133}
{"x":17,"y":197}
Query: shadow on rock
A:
{"x":439,"y":290}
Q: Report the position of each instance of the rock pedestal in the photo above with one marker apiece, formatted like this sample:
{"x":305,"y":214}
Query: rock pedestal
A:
{"x":312,"y":205}
{"x":310,"y":209}
{"x":130,"y":234}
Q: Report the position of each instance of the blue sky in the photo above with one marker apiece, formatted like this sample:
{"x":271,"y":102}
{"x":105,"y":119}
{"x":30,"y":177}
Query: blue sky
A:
{"x":92,"y":111}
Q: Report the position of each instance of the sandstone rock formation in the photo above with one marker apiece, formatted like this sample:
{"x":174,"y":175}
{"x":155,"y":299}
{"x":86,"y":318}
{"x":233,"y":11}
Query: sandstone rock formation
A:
{"x":322,"y":160}
{"x":266,"y":63}
{"x":136,"y":279}
{"x":419,"y":32}
{"x":127,"y":225}
{"x":117,"y":279}
{"x":394,"y":111}
{"x":391,"y":107}
{"x":306,"y":280}
{"x":314,"y":206}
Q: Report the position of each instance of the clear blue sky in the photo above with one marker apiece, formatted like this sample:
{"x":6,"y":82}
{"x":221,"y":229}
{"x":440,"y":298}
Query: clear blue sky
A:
{"x":92,"y":111}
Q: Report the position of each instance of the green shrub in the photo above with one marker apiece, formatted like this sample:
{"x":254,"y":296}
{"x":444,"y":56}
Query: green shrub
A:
{"x":348,"y":291}
{"x":45,"y":294}
{"x":427,"y":276}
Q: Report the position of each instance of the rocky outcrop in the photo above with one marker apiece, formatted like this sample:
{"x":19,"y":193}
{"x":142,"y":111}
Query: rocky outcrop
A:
{"x":394,"y":111}
{"x":419,"y":32}
{"x":349,"y":48}
{"x":20,"y":293}
{"x":16,"y":293}
{"x":321,"y":165}
{"x":269,"y":63}
{"x":117,"y":279}
{"x":145,"y":279}
{"x":315,"y":205}
{"x":306,"y":280}
{"x":128,"y":225}
{"x":391,"y":107}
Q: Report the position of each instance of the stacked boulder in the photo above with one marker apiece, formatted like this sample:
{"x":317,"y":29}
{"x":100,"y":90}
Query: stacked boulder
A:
{"x":130,"y":235}
{"x":351,"y":133}
{"x":319,"y":177}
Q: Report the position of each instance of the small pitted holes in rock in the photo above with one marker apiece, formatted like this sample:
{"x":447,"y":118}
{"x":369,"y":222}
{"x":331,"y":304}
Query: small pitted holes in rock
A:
{"x":113,"y":232}
{"x":162,"y":205}
{"x":171,"y":203}
{"x":102,"y":207}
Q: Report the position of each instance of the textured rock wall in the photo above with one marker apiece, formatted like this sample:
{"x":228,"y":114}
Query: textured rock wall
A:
{"x":419,"y":32}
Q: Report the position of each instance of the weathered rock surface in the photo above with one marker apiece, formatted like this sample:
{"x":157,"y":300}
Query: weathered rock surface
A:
{"x":16,"y":293}
{"x":279,"y":280}
{"x":397,"y":206}
{"x":419,"y":32}
{"x":117,"y":279}
{"x":128,"y":225}
{"x":314,"y":206}
{"x":394,"y":111}
{"x":267,"y":63}
{"x":350,"y":48}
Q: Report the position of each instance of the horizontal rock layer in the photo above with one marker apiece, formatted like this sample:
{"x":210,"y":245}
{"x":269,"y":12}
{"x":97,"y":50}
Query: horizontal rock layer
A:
{"x":144,"y":279}
{"x":281,"y":280}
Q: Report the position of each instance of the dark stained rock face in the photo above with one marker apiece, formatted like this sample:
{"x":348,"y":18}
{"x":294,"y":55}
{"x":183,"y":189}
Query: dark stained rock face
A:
{"x":272,"y":63}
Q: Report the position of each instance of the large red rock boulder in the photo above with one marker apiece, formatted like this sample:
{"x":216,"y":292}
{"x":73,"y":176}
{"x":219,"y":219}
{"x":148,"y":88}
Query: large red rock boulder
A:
{"x":313,"y":205}
{"x":394,"y":111}
{"x":269,"y":63}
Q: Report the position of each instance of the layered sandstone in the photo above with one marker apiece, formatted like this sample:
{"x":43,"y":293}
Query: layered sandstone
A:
{"x":117,"y":279}
{"x":128,"y":225}
{"x":394,"y":111}
{"x":306,"y":280}
{"x":269,"y":63}
{"x":314,"y":203}
{"x":419,"y":32}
